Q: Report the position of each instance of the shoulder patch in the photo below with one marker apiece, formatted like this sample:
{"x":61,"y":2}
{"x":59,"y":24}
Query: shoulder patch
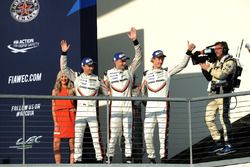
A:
{"x":166,"y":69}
{"x":230,"y":58}
{"x":145,"y":72}
{"x":77,"y":74}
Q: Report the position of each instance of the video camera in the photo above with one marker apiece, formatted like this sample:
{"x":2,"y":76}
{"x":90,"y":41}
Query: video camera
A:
{"x":207,"y":54}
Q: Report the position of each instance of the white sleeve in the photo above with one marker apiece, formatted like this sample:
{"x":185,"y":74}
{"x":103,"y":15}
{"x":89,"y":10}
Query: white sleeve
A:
{"x":65,"y":69}
{"x":137,"y":59}
{"x":144,"y":86}
{"x":178,"y":68}
{"x":105,"y":85}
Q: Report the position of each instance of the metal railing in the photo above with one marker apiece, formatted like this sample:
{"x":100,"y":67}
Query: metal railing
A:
{"x":190,"y":104}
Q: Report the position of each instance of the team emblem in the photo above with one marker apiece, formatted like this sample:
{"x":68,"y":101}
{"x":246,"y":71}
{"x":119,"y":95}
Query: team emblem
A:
{"x":24,"y":10}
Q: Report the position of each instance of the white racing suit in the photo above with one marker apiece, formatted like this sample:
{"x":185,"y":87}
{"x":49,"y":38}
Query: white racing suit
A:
{"x":156,"y":82}
{"x":119,"y":83}
{"x":85,"y":85}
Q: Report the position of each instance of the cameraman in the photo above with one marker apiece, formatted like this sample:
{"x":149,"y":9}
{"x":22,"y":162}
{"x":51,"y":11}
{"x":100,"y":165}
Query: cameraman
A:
{"x":220,"y":74}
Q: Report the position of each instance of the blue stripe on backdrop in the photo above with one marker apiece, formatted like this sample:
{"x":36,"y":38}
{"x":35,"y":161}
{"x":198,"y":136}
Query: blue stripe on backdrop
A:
{"x":80,"y":4}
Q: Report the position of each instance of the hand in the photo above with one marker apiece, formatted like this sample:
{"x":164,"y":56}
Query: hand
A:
{"x":132,"y":34}
{"x":204,"y":66}
{"x":247,"y":46}
{"x":56,"y":127}
{"x":191,"y":46}
{"x":64,"y":46}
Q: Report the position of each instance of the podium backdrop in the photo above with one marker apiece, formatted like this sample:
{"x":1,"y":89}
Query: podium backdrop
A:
{"x":31,"y":31}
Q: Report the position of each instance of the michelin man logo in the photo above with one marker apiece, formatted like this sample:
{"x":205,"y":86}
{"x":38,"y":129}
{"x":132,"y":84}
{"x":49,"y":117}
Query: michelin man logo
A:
{"x":88,"y":61}
{"x":121,"y":55}
{"x":24,"y":11}
{"x":158,"y":53}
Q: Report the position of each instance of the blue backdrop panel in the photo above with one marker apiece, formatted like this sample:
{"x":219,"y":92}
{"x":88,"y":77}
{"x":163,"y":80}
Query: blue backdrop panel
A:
{"x":31,"y":31}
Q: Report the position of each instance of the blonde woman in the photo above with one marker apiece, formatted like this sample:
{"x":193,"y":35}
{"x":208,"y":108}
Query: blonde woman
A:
{"x":63,"y":112}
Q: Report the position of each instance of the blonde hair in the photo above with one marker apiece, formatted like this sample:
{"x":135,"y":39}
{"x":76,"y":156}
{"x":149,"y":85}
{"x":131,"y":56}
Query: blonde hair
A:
{"x":58,"y":85}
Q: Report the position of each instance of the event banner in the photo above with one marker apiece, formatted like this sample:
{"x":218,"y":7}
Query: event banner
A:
{"x":31,"y":31}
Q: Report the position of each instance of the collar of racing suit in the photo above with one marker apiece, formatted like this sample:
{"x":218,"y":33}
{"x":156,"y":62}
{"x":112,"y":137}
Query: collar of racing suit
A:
{"x":222,"y":60}
{"x":85,"y":75}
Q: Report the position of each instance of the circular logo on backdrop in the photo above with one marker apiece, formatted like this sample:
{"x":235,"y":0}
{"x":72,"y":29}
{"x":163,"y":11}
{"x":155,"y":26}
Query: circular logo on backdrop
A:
{"x":24,"y":10}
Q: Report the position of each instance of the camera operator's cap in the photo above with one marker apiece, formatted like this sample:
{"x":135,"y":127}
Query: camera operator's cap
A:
{"x":158,"y":53}
{"x":87,"y":61}
{"x":120,"y":56}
